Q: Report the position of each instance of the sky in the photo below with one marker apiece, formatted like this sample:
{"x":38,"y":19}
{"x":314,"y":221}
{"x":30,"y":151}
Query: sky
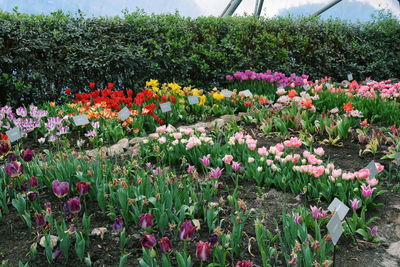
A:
{"x":347,"y":9}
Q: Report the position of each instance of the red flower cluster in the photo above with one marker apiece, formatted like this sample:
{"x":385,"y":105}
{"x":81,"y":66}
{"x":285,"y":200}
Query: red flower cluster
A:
{"x":143,"y":96}
{"x":113,"y":99}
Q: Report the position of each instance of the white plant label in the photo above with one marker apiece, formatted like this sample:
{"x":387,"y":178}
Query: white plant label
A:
{"x":227,"y":93}
{"x":372,"y":169}
{"x":338,"y":207}
{"x":193,"y":100}
{"x":165,"y":107}
{"x":124,"y":113}
{"x":306,"y":87}
{"x":81,"y":120}
{"x":246,"y":93}
{"x":14,"y":134}
{"x":335,"y":228}
{"x":350,"y":77}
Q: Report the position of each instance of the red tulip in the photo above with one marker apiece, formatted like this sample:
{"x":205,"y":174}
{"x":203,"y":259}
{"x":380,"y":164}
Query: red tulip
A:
{"x":146,"y":220}
{"x":68,"y":91}
{"x":92,"y":85}
{"x":110,"y":86}
{"x":203,"y":250}
{"x":83,"y":187}
{"x":186,"y":231}
{"x":148,"y":241}
{"x":165,"y":245}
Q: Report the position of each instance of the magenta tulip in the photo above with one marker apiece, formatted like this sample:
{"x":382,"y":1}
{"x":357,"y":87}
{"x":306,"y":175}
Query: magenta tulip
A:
{"x":203,"y":250}
{"x":33,"y":182}
{"x":74,"y":205}
{"x":186,"y":231}
{"x":27,"y":155}
{"x":165,"y":245}
{"x":367,"y":190}
{"x":244,"y":263}
{"x":146,"y":220}
{"x":60,"y":189}
{"x":148,"y":241}
{"x":14,"y":169}
{"x":83,"y":187}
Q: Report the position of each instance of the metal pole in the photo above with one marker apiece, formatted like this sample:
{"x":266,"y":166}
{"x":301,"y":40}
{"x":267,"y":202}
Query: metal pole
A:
{"x":260,"y":6}
{"x":232,"y":7}
{"x":226,"y":8}
{"x":256,"y":8}
{"x":325,"y":8}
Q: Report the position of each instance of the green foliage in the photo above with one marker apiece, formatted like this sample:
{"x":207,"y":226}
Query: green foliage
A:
{"x":50,"y":52}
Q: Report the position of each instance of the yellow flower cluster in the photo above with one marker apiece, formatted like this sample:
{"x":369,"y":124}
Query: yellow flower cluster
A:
{"x":218,"y":96}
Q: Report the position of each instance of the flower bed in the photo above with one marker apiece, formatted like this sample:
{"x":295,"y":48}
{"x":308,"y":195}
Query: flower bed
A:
{"x":192,"y":196}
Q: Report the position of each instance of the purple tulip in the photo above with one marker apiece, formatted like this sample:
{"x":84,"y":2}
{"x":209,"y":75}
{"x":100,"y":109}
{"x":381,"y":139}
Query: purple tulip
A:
{"x":148,"y":241}
{"x":165,"y":245}
{"x":14,"y":169}
{"x":213,"y":239}
{"x":205,"y":160}
{"x":203,"y":250}
{"x":216,"y":173}
{"x":27,"y":155}
{"x":374,"y":231}
{"x":146,"y":220}
{"x":74,"y":205}
{"x":4,"y":147}
{"x":24,"y":187}
{"x":57,"y":254}
{"x":33,"y":182}
{"x":40,"y":220}
{"x":60,"y":189}
{"x":32,"y":196}
{"x":12,"y":157}
{"x":118,"y":224}
{"x":186,"y":231}
{"x":83,"y":187}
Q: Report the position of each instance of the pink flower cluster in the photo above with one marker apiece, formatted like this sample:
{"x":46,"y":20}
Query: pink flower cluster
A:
{"x":240,"y":138}
{"x":280,"y":79}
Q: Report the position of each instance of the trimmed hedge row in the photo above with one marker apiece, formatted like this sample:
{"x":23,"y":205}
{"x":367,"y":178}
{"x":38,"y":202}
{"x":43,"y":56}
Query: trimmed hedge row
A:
{"x":51,"y":52}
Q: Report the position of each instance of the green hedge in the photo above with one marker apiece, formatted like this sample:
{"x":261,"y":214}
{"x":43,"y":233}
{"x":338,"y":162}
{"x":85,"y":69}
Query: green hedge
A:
{"x":51,"y":52}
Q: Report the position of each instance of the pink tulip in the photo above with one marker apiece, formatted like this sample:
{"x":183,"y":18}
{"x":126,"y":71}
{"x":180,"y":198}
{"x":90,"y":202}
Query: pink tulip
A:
{"x":235,"y":165}
{"x":367,"y":190}
{"x":319,"y":151}
{"x":227,"y":159}
{"x":355,"y":204}
{"x":205,"y":160}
